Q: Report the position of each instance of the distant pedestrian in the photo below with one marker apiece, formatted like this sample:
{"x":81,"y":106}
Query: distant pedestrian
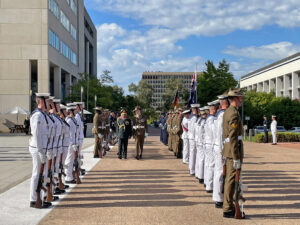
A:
{"x":27,"y":125}
{"x":274,"y":130}
{"x":266,"y":129}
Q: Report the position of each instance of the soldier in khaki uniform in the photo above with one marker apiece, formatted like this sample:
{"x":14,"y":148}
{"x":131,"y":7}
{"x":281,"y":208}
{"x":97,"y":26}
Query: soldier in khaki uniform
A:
{"x":177,"y":134}
{"x":233,"y":148}
{"x":173,"y":127}
{"x":169,"y":128}
{"x":140,"y":131}
{"x":97,"y":134}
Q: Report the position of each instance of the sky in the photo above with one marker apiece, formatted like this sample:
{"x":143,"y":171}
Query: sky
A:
{"x":176,"y":35}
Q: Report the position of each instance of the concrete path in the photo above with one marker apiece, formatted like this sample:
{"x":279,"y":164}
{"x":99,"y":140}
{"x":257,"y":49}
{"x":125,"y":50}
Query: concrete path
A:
{"x":159,"y":190}
{"x":15,"y":159}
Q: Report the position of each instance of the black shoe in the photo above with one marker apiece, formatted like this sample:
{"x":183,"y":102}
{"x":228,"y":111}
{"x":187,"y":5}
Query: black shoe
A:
{"x":71,"y":182}
{"x":175,"y":154}
{"x":204,"y":185}
{"x":140,"y":156}
{"x":96,"y":156}
{"x":120,"y":157}
{"x":66,"y":186}
{"x":229,"y":214}
{"x":219,"y":205}
{"x":82,"y":172}
{"x":137,"y":157}
{"x":58,"y":191}
{"x":55,"y":198}
{"x":201,"y":181}
{"x":45,"y":205}
{"x":192,"y":174}
{"x":210,"y":191}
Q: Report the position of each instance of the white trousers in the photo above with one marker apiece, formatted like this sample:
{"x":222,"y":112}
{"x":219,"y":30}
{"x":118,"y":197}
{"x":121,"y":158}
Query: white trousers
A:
{"x":79,"y":151}
{"x":185,"y":151}
{"x":274,"y":138}
{"x":199,"y":169}
{"x":192,"y":155}
{"x":59,"y":151}
{"x":69,"y":164}
{"x":209,"y":167}
{"x":36,"y":165}
{"x":218,"y":174}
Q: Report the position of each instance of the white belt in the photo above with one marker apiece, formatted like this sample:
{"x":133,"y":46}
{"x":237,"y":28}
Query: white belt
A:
{"x":138,"y":127}
{"x":228,"y":139}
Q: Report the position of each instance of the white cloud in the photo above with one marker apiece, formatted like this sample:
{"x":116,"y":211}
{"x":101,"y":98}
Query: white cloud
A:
{"x":273,"y":51}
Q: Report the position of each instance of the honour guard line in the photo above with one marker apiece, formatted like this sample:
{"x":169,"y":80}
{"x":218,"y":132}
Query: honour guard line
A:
{"x":209,"y":140}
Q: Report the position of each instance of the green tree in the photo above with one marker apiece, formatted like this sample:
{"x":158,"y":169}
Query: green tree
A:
{"x":172,"y":85}
{"x":214,"y":81}
{"x":143,"y":91}
{"x":106,"y":78}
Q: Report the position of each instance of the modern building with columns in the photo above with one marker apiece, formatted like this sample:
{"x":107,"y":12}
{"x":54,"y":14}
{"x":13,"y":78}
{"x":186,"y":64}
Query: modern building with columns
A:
{"x":282,"y":77}
{"x":44,"y":45}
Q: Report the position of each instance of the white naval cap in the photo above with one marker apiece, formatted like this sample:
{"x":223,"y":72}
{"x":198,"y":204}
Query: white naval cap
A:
{"x":51,"y":97}
{"x":62,"y":106}
{"x":202,"y":109}
{"x":273,"y":115}
{"x":71,"y":104}
{"x":56,"y":100}
{"x":195,"y":105}
{"x":186,"y":111}
{"x":206,"y":107}
{"x":69,"y":108}
{"x":42,"y":95}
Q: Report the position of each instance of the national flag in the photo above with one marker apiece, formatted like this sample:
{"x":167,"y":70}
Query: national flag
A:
{"x":193,"y":91}
{"x":175,"y":100}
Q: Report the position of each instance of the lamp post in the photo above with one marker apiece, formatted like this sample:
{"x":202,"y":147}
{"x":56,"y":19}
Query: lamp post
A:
{"x":87,"y":92}
{"x":95,"y":101}
{"x":81,"y":93}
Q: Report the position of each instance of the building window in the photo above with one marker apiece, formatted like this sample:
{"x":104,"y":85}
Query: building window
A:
{"x":53,"y":40}
{"x":74,"y":6}
{"x":64,"y":20}
{"x":73,"y":32}
{"x":73,"y":57}
{"x":65,"y":50}
{"x":54,"y":8}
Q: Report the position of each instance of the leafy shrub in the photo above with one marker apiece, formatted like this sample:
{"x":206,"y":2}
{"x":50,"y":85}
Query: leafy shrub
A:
{"x":281,"y":137}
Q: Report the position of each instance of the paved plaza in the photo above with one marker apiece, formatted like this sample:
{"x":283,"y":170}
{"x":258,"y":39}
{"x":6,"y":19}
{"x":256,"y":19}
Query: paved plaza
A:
{"x":159,"y":190}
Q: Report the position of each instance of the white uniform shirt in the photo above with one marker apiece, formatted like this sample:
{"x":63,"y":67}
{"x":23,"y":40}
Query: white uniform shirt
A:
{"x":39,"y":129}
{"x":209,"y":129}
{"x":80,"y":127}
{"x":202,"y":131}
{"x":66,"y":135}
{"x":184,"y":124}
{"x":58,"y":127}
{"x":197,"y":129}
{"x":72,"y":131}
{"x":218,"y":128}
{"x":274,"y":126}
{"x":191,"y":124}
{"x":51,"y":132}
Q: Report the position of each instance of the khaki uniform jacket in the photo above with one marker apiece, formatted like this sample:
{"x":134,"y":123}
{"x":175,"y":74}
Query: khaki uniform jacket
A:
{"x":140,"y":125}
{"x":232,"y":131}
{"x":178,"y":128}
{"x":169,"y":122}
{"x":173,"y":124}
{"x":96,"y":123}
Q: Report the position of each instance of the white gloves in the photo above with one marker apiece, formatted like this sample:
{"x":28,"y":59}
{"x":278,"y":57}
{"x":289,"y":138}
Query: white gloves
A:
{"x":49,"y":155}
{"x":74,"y":147}
{"x":110,"y":130}
{"x":224,"y":160}
{"x":237,"y":164}
{"x":42,"y":157}
{"x":146,"y":134}
{"x":100,"y":135}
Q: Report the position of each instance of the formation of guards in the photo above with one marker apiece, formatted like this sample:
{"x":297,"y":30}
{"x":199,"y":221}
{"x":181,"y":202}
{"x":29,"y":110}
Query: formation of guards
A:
{"x":209,"y":140}
{"x":55,"y":146}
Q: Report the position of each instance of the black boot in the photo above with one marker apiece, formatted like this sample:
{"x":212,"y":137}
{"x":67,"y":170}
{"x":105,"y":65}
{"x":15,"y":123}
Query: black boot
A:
{"x":219,"y":205}
{"x":229,"y":214}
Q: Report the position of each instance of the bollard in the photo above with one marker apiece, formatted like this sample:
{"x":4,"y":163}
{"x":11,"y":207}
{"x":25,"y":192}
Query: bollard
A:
{"x":250,"y":135}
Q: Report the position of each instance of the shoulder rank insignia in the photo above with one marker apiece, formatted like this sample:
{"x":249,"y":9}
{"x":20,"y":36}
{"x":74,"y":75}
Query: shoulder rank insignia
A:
{"x":234,"y":125}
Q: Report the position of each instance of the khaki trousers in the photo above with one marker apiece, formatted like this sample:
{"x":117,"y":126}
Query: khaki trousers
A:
{"x":97,"y":147}
{"x":139,"y":144}
{"x":170,"y":140}
{"x":229,"y":186}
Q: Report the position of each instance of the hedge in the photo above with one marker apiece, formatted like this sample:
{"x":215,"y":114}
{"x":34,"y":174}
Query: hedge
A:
{"x":281,"y":137}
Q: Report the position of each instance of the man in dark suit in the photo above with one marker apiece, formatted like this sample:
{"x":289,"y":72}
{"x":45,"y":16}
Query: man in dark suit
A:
{"x":124,"y":127}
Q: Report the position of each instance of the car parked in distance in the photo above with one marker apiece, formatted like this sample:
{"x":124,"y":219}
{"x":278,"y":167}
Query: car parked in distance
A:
{"x":295,"y":130}
{"x":281,"y":129}
{"x":259,"y":129}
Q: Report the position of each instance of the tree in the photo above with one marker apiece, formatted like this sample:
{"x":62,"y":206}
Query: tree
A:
{"x":172,"y":85}
{"x":106,"y":78}
{"x":214,"y":81}
{"x":143,"y":91}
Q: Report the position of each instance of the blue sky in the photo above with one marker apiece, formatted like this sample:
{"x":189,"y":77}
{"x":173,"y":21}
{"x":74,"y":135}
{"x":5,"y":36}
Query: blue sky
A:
{"x":154,"y":35}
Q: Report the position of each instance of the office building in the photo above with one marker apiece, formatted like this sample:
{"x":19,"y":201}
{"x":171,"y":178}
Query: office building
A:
{"x":157,"y":80}
{"x":44,"y":45}
{"x":282,"y":77}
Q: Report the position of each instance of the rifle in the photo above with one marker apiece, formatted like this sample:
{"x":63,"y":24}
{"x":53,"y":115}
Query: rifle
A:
{"x":49,"y":197}
{"x":76,"y":168}
{"x":38,"y":203}
{"x":223,"y":177}
{"x":238,"y":196}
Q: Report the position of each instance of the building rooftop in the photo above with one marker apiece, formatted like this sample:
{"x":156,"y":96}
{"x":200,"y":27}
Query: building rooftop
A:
{"x":168,"y":73}
{"x":274,"y":65}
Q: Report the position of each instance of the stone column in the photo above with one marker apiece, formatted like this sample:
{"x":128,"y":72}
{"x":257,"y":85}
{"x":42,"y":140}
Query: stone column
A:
{"x":87,"y":59}
{"x":43,"y":75}
{"x":278,"y":86}
{"x":286,"y":85}
{"x":295,"y":85}
{"x":57,"y":82}
{"x":272,"y":85}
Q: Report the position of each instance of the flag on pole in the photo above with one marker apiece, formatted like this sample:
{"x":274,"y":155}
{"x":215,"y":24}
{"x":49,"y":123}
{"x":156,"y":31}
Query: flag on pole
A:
{"x":175,"y":100}
{"x":193,"y":91}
